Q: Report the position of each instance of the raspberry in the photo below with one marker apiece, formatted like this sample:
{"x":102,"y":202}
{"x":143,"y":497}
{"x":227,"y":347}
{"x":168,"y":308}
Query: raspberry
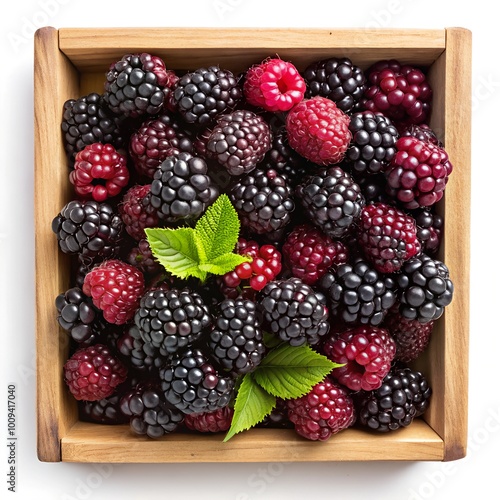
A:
{"x":387,"y":236}
{"x":211,"y":421}
{"x":326,"y":410}
{"x":93,"y":373}
{"x":274,"y":85}
{"x":137,"y":212}
{"x":366,"y":353}
{"x":422,"y":132}
{"x":318,"y":130}
{"x":418,"y":173}
{"x":309,"y":253}
{"x":400,"y":92}
{"x":264,"y":267}
{"x":116,"y":288}
{"x":294,"y":312}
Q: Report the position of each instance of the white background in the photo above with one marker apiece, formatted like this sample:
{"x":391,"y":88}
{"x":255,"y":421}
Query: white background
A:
{"x":390,"y":481}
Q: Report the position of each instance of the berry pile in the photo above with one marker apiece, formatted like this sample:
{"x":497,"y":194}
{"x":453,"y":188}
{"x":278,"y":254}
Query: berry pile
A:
{"x":334,"y":175}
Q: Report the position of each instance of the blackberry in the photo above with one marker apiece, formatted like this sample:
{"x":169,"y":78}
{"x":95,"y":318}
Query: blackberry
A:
{"x":172,"y":319}
{"x":239,"y":141}
{"x":422,"y":132}
{"x":87,"y":120}
{"x":429,"y":229}
{"x":373,"y":187}
{"x":294,"y":312}
{"x":78,"y":316}
{"x":263,"y":200}
{"x":137,"y":212}
{"x":148,"y":411}
{"x":135,"y":85}
{"x":104,"y":411}
{"x":403,"y":395}
{"x":236,"y":340}
{"x":373,"y":143}
{"x":358,"y":294}
{"x":192,"y":384}
{"x":181,"y":189}
{"x":88,"y":228}
{"x":278,"y":418}
{"x":332,"y":200}
{"x":337,"y":79}
{"x":425,"y":288}
{"x":142,"y":257}
{"x":205,"y":93}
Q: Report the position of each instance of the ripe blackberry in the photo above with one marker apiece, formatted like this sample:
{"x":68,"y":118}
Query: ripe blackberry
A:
{"x":399,"y":91}
{"x":418,"y":173}
{"x":309,"y":253}
{"x":326,"y":410}
{"x":148,"y":411}
{"x":238,"y":141}
{"x":373,"y":143}
{"x":99,"y":172}
{"x":332,"y":200}
{"x":373,"y":187}
{"x":116,"y":288}
{"x":192,"y":384}
{"x":429,"y":230}
{"x":201,"y":95}
{"x":422,"y":132}
{"x":155,"y":141}
{"x":211,"y":421}
{"x":135,"y":85}
{"x":87,"y":120}
{"x":403,"y":395}
{"x":411,"y":336}
{"x":142,"y":257}
{"x":88,"y":228}
{"x":274,"y":85}
{"x":425,"y":288}
{"x":137,"y":212}
{"x":318,"y":130}
{"x":93,"y":373}
{"x":78,"y":316}
{"x":278,"y":418}
{"x":172,"y":319}
{"x":263,"y":200}
{"x":104,"y":411}
{"x":387,"y":236}
{"x":181,"y":189}
{"x":294,"y":312}
{"x":366,"y":353}
{"x":236,"y":341}
{"x":337,"y":79}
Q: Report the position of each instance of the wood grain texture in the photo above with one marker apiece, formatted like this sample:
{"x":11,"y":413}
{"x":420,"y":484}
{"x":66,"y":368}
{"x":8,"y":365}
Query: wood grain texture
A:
{"x":116,"y":444}
{"x":55,"y":81}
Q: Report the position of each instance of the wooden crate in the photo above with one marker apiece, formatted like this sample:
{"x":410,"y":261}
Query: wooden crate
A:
{"x":72,"y":62}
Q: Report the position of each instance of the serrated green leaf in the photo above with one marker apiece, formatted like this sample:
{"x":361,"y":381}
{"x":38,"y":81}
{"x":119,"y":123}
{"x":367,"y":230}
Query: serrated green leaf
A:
{"x":252,"y":405}
{"x":291,"y":372}
{"x":224,"y":263}
{"x":217,"y":230}
{"x":176,"y":251}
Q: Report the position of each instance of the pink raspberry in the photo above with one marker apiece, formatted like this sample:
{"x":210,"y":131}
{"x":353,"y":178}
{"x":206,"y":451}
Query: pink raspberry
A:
{"x":274,"y":85}
{"x":116,"y":288}
{"x":136,"y":211}
{"x":318,"y":130}
{"x":210,"y":421}
{"x":100,"y":172}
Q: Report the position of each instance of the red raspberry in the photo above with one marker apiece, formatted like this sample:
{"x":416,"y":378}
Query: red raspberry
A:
{"x":400,"y":92}
{"x":93,"y":373}
{"x":252,"y":276}
{"x":411,"y":336}
{"x":274,"y":85}
{"x":366,"y":352}
{"x":309,"y":253}
{"x":387,"y":236}
{"x":115,"y":288}
{"x":100,"y":172}
{"x":318,"y":130}
{"x":210,"y":421}
{"x":326,"y":410}
{"x":418,"y":173}
{"x":136,"y":211}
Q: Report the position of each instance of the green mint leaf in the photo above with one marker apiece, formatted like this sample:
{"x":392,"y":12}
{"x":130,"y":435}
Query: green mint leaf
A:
{"x":224,"y":263}
{"x":291,"y":372}
{"x":217,"y":230}
{"x":176,"y":251}
{"x":251,"y":406}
